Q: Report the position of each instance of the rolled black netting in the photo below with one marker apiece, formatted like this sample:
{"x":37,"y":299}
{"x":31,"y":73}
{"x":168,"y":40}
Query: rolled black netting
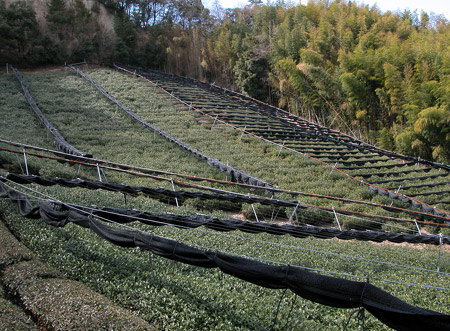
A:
{"x":64,"y":157}
{"x":234,"y":224}
{"x":326,"y":290}
{"x":59,"y":140}
{"x":235,"y":174}
{"x":121,"y":215}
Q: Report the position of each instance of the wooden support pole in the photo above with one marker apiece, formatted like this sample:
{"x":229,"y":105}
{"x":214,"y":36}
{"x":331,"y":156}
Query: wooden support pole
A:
{"x":281,"y":148}
{"x":25,"y":160}
{"x":173,"y":188}
{"x":293,"y":213}
{"x":254,"y":211}
{"x":337,"y":219}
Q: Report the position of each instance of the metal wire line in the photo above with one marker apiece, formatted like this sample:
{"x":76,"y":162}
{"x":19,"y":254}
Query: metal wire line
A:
{"x":274,"y":243}
{"x":309,"y":234}
{"x":268,"y":200}
{"x":143,"y":219}
{"x":207,"y":179}
{"x":93,"y":162}
{"x":268,"y":140}
{"x":324,"y":237}
{"x":83,"y":211}
{"x":298,"y":266}
{"x":327,"y":271}
{"x":261,"y":259}
{"x":230,"y":192}
{"x":264,"y":260}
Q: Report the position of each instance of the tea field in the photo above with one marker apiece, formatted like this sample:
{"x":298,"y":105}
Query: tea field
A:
{"x":176,"y":296}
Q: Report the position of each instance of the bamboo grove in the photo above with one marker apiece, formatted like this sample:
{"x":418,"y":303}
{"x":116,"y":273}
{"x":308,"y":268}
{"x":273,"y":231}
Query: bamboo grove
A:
{"x":383,"y":77}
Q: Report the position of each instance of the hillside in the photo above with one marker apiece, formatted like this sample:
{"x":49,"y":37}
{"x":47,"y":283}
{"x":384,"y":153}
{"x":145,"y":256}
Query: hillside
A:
{"x":41,"y":9}
{"x":52,"y":32}
{"x":381,"y":77}
{"x":175,"y":193}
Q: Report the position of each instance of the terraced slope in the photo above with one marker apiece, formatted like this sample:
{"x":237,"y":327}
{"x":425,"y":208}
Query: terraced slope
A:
{"x":176,"y":296}
{"x":360,"y":160}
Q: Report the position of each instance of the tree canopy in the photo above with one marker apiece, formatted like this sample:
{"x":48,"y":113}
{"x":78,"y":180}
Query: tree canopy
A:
{"x":384,"y":77}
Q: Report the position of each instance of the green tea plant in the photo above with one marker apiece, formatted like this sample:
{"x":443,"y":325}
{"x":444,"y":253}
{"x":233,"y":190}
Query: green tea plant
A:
{"x":175,"y":296}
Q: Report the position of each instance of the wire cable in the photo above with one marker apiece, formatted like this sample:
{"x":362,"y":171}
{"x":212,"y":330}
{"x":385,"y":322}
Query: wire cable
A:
{"x":81,"y":210}
{"x":279,"y":145}
{"x":92,"y":163}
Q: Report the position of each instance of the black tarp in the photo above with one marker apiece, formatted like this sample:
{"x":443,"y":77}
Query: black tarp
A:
{"x":159,"y":193}
{"x":193,"y":221}
{"x":121,"y":215}
{"x":326,"y":290}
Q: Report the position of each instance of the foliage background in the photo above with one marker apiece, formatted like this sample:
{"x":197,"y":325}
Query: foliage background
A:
{"x":383,"y":77}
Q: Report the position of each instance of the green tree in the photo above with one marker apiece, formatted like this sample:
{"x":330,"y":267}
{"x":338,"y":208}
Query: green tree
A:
{"x":82,"y":49}
{"x":250,"y":72}
{"x":60,"y":18}
{"x":125,"y":31}
{"x":392,"y":85}
{"x":433,"y":127}
{"x":19,"y":32}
